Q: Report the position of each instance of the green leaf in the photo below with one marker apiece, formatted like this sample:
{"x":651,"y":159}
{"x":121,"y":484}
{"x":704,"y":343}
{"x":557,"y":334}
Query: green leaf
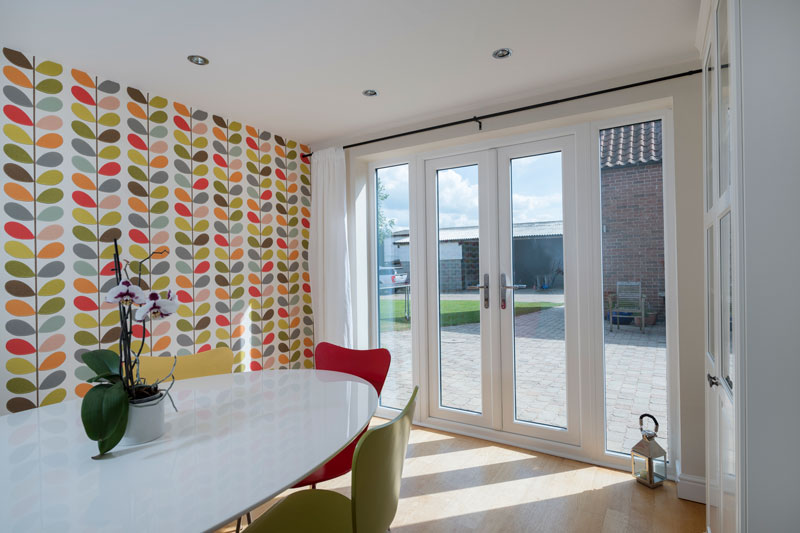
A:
{"x":50,"y":196}
{"x":84,"y":234}
{"x":159,"y":117}
{"x":49,"y":86}
{"x":20,"y":386}
{"x":17,"y":154}
{"x":82,"y":129}
{"x":107,"y":377}
{"x":52,"y":306}
{"x":182,"y":152}
{"x":102,"y":408}
{"x":102,"y":362}
{"x":107,"y":444}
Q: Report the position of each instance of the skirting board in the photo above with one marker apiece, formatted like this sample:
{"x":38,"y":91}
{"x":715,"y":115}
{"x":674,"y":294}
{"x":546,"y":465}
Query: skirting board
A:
{"x":692,"y":488}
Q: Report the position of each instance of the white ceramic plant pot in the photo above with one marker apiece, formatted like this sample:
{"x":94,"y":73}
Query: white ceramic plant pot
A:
{"x":145,"y":421}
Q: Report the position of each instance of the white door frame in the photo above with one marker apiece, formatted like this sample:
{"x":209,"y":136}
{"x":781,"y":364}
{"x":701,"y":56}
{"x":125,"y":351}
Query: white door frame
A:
{"x":590,"y":318}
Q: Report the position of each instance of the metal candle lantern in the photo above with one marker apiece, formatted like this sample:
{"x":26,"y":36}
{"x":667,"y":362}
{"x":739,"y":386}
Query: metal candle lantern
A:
{"x":648,"y":458}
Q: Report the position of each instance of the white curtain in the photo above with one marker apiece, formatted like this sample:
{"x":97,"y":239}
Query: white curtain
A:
{"x":329,"y":265}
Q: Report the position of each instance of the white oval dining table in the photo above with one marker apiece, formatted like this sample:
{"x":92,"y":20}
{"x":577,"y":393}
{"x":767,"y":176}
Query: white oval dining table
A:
{"x":236,"y":441}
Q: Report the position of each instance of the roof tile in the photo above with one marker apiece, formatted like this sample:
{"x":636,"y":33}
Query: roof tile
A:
{"x":633,"y":144}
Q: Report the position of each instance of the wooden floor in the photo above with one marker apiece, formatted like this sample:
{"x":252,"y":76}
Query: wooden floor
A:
{"x":455,"y":483}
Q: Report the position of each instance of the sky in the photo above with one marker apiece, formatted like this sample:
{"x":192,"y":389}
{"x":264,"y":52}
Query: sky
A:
{"x":535,"y":191}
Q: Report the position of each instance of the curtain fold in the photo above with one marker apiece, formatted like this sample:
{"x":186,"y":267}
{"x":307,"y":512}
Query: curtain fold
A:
{"x":329,"y":265}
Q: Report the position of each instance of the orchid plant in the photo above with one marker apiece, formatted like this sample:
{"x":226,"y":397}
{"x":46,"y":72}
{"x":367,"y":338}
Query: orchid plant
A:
{"x":104,"y":411}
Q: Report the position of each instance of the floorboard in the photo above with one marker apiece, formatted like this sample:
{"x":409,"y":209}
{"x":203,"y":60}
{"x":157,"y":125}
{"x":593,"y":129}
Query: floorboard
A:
{"x":454,"y":483}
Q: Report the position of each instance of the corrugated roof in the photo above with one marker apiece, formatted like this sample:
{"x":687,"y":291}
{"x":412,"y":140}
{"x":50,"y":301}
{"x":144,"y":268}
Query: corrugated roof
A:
{"x":525,"y":229}
{"x":630,"y":145}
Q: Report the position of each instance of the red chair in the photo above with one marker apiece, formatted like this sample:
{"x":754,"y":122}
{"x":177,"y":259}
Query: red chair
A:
{"x":369,"y":365}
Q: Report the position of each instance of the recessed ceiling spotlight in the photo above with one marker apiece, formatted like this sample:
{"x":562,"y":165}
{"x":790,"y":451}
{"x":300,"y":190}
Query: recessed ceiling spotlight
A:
{"x":198,"y":60}
{"x":369,"y":92}
{"x":501,"y":53}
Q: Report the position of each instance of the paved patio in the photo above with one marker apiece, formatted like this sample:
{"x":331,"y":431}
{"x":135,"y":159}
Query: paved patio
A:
{"x":635,"y":373}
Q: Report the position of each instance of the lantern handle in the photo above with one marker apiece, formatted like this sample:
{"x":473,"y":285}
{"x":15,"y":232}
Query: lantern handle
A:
{"x":651,"y":417}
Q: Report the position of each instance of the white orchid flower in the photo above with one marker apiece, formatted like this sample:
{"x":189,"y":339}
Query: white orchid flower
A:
{"x":126,"y":293}
{"x":157,"y":307}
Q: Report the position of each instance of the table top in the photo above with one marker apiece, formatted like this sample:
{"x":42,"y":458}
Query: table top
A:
{"x":236,"y":441}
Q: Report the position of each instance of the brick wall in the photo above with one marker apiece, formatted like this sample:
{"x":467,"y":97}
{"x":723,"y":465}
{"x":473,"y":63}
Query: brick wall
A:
{"x":633,"y":237}
{"x":451,"y":277}
{"x":470,"y":263}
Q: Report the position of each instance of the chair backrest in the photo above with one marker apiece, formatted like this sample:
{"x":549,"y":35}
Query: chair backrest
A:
{"x":378,"y":470}
{"x":371,"y":365}
{"x":629,"y":292}
{"x":208,"y":363}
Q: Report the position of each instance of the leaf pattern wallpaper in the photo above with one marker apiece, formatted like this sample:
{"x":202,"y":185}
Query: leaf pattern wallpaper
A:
{"x":224,"y":205}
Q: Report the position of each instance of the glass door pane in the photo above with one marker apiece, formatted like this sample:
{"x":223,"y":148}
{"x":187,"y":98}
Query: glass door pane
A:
{"x":724,"y":107}
{"x":710,"y":87}
{"x":537,"y":231}
{"x":459,"y":304}
{"x":710,"y":302}
{"x":726,"y":299}
{"x":635,"y":341}
{"x":394,"y":281}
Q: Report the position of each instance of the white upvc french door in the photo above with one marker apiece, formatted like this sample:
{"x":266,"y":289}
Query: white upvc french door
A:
{"x":495,"y":332}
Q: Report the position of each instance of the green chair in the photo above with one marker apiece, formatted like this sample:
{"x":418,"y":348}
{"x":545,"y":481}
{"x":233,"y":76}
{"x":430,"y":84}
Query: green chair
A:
{"x":377,"y":471}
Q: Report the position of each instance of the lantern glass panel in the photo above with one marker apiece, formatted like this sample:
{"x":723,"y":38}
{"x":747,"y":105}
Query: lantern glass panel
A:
{"x":639,"y":466}
{"x":659,"y":469}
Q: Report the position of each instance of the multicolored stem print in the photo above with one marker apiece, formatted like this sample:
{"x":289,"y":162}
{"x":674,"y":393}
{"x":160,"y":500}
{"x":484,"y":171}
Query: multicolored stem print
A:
{"x":85,"y":161}
{"x":33,"y":232}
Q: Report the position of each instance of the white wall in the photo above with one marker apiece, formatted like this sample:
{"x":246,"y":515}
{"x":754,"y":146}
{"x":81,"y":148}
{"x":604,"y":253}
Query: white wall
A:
{"x":684,"y":96}
{"x":770,"y":34}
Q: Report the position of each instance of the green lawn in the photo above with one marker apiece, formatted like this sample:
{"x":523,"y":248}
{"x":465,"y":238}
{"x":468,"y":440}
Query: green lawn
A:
{"x":453,"y":312}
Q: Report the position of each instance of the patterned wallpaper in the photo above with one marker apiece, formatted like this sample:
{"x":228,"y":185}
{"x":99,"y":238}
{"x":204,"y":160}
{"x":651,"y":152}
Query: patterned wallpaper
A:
{"x":85,"y":161}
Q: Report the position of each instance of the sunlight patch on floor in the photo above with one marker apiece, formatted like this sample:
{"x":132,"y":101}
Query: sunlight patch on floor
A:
{"x":452,"y":503}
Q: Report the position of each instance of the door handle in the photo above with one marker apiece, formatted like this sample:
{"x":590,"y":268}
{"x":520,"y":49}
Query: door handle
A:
{"x":504,"y":287}
{"x":485,"y":288}
{"x":712,"y":380}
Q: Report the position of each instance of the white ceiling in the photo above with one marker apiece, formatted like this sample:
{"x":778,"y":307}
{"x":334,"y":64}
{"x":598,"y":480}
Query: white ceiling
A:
{"x":298,"y":67}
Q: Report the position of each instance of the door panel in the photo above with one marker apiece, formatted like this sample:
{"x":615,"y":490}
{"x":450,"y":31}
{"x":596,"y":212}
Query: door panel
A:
{"x":538,"y":347}
{"x":459,"y":199}
{"x":721,"y":260}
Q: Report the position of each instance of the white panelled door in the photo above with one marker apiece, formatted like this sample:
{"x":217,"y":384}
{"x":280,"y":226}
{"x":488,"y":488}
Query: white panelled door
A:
{"x":721,"y":258}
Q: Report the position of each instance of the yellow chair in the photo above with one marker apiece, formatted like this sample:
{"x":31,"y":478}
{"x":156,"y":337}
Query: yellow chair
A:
{"x":208,"y":363}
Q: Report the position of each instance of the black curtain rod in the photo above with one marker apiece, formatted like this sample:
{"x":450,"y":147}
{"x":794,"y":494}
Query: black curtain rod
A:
{"x":479,"y":118}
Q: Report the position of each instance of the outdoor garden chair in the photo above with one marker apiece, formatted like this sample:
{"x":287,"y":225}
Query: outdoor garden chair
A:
{"x":628,"y":299}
